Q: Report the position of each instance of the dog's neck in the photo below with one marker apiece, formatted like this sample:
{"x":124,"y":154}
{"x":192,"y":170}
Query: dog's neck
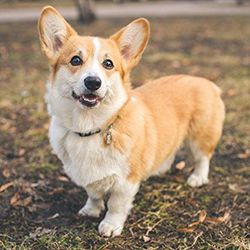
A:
{"x":76,"y":119}
{"x":99,"y":118}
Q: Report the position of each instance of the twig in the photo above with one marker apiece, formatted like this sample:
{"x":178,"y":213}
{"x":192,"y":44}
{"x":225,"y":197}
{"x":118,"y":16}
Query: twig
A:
{"x":156,"y":224}
{"x":195,"y":240}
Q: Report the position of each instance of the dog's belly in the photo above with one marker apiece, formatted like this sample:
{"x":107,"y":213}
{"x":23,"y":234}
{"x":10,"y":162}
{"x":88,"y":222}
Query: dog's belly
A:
{"x":86,"y":160}
{"x":166,"y":165}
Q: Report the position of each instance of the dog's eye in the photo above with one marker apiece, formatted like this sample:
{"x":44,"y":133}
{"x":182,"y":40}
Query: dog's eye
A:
{"x":76,"y":61}
{"x":108,"y":64}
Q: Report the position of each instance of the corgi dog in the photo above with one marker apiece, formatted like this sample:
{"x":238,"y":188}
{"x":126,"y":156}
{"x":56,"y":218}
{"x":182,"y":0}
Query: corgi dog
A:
{"x":111,"y":137}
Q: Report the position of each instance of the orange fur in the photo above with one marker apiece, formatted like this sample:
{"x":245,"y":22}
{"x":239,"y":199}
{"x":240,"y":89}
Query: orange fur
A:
{"x":160,"y":114}
{"x":149,"y":123}
{"x":175,"y":108}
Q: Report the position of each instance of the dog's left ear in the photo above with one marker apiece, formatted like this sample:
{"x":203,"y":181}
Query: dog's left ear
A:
{"x":54,"y":31}
{"x":132,"y":40}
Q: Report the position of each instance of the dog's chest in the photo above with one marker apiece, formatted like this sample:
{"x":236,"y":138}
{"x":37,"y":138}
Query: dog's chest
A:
{"x":86,"y":159}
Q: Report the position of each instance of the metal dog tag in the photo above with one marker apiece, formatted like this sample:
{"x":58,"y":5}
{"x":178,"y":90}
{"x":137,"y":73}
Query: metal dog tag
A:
{"x":108,"y":138}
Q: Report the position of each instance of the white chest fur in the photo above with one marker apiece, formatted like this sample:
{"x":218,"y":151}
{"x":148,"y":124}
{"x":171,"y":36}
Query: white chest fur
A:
{"x":85,"y":159}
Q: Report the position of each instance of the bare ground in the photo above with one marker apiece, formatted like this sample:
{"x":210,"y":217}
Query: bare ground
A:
{"x":39,"y":204}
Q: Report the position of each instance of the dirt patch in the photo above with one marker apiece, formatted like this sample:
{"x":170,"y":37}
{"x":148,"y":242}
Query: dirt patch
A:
{"x":39,"y":204}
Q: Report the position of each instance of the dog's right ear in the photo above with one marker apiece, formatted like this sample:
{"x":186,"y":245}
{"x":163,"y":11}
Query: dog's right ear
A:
{"x":53,"y":31}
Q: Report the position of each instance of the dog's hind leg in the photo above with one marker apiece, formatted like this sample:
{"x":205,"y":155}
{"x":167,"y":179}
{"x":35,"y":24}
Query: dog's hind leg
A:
{"x":204,"y":133}
{"x":200,"y":175}
{"x":202,"y":144}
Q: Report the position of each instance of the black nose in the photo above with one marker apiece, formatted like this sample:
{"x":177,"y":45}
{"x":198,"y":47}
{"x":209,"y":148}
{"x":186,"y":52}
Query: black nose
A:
{"x":92,"y":83}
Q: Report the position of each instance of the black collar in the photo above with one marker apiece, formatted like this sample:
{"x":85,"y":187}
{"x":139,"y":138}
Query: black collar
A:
{"x":91,"y":132}
{"x":107,"y":131}
{"x":108,"y":135}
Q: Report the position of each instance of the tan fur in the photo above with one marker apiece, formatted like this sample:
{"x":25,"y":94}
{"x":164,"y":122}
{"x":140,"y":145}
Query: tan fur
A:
{"x":149,"y":123}
{"x":177,"y":107}
{"x":164,"y":112}
{"x":48,"y":10}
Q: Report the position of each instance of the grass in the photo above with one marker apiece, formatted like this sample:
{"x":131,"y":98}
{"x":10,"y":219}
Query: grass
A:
{"x":44,"y":214}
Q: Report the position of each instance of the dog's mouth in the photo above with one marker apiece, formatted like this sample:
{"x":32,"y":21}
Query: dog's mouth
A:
{"x":89,"y":100}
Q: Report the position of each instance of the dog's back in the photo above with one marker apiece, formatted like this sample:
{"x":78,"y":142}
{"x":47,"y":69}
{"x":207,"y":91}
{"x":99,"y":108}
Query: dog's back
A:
{"x":182,"y":107}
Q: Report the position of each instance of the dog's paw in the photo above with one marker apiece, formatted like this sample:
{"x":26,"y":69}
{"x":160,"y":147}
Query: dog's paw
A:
{"x":108,"y":229}
{"x":90,"y":211}
{"x":196,"y":180}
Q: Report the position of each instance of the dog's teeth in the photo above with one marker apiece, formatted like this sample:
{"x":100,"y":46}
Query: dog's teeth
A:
{"x":89,"y":100}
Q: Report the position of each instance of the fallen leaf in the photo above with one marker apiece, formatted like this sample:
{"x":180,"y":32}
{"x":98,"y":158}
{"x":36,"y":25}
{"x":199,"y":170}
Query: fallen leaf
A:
{"x":14,"y":199}
{"x":21,"y":152}
{"x":235,"y":188}
{"x":35,"y":207}
{"x":194,"y":224}
{"x":217,"y":220}
{"x":244,"y":155}
{"x":6,"y":126}
{"x":46,"y":125}
{"x":243,"y":170}
{"x":5,"y":103}
{"x":56,"y":191}
{"x":192,"y":202}
{"x":232,"y":92}
{"x":41,"y":231}
{"x":5,"y":186}
{"x":191,"y":227}
{"x":24,"y":202}
{"x":6,"y":173}
{"x":186,"y":229}
{"x":180,"y":165}
{"x":40,"y":183}
{"x":202,"y":216}
{"x":63,"y":178}
{"x":146,"y":238}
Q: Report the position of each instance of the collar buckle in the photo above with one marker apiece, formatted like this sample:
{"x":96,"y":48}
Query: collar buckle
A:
{"x":108,"y":134}
{"x":108,"y":137}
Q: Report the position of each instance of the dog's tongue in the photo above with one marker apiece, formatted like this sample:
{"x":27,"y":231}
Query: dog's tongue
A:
{"x":90,"y":97}
{"x":89,"y":100}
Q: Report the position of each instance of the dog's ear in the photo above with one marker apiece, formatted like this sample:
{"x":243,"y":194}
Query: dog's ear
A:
{"x":53,"y":31}
{"x":132,"y":40}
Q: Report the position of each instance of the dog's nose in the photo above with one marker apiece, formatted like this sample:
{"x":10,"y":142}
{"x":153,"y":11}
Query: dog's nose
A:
{"x":92,"y":83}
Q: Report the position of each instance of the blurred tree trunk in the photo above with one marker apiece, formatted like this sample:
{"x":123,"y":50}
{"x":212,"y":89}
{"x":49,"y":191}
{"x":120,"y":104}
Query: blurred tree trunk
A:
{"x":239,"y":2}
{"x":85,"y":10}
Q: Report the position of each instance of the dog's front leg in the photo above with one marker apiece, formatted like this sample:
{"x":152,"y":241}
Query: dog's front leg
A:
{"x":95,"y":204}
{"x":119,"y":205}
{"x":92,"y":208}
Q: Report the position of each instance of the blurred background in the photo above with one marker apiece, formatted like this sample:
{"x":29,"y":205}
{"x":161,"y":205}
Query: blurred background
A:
{"x":207,"y":38}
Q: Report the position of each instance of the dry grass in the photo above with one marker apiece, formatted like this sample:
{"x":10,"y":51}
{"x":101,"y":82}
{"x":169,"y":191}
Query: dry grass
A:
{"x":38,"y":210}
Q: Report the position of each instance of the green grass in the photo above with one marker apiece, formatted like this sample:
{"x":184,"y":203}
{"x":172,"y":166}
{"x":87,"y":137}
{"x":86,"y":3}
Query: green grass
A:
{"x":215,"y":48}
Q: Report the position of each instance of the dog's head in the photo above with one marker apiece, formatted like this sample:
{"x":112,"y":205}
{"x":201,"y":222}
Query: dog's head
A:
{"x":86,"y":70}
